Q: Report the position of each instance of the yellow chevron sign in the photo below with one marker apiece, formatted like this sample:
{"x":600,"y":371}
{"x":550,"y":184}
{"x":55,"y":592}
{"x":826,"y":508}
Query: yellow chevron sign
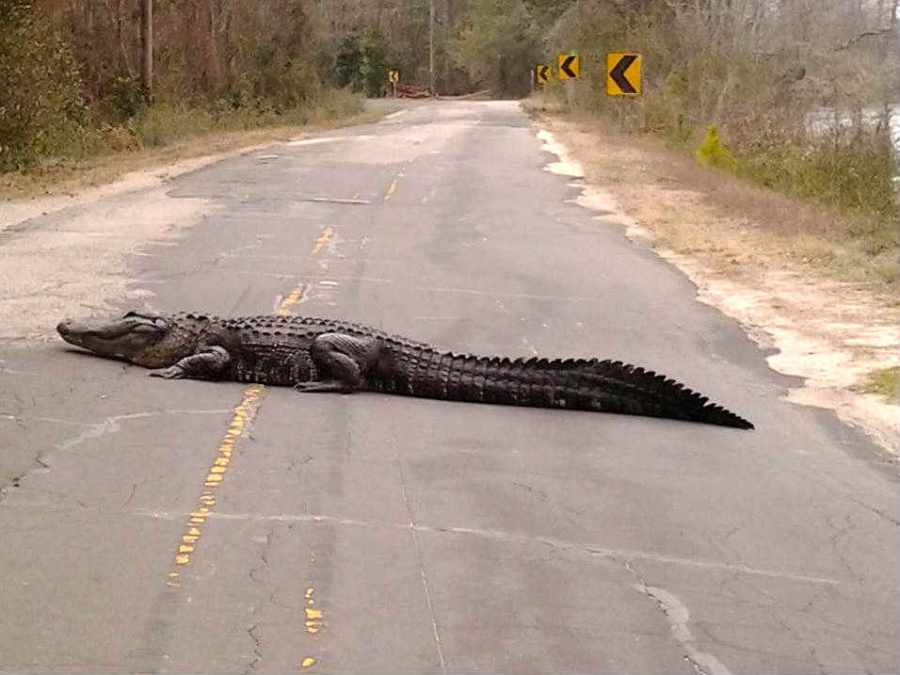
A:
{"x":623,"y":74}
{"x":542,"y":73}
{"x":569,"y":66}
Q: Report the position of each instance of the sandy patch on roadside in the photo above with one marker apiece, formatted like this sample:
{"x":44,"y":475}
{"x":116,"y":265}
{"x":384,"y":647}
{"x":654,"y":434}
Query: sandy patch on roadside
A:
{"x":79,"y":266}
{"x":831,"y":333}
{"x":15,"y":212}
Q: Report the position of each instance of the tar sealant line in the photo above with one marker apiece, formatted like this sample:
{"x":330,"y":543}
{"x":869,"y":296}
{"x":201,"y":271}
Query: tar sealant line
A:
{"x":513,"y":537}
{"x":678,"y":616}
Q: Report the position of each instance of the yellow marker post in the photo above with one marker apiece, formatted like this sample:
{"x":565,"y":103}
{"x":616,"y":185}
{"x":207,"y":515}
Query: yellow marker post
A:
{"x":569,"y":66}
{"x":623,"y":74}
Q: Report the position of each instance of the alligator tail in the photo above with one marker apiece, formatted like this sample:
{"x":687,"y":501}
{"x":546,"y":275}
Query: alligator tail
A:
{"x":572,"y":384}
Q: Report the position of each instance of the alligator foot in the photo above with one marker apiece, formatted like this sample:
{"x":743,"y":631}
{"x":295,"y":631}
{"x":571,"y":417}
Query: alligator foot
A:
{"x":335,"y":386}
{"x":170,"y":373}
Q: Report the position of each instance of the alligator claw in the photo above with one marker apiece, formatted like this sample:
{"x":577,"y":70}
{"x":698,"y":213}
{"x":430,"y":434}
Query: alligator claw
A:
{"x":170,"y":373}
{"x":316,"y":386}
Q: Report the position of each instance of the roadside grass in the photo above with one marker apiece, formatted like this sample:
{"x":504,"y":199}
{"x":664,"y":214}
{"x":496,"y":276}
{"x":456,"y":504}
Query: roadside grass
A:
{"x":885,"y":383}
{"x":845,"y":245}
{"x":168,"y":133}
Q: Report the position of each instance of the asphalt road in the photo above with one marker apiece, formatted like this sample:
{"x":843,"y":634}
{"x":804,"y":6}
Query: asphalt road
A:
{"x":187,"y":526}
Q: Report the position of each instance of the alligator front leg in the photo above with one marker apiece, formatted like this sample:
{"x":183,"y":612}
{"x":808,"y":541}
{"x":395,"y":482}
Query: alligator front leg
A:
{"x":343,"y":359}
{"x":207,"y":364}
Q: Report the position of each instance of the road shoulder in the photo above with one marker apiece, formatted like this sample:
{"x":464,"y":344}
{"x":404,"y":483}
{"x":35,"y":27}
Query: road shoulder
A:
{"x":833,"y":332}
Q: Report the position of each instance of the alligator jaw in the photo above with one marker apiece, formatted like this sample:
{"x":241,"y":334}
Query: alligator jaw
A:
{"x":132,"y":338}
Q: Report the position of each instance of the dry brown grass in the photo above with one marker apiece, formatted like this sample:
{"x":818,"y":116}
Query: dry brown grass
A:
{"x":737,"y":224}
{"x":817,"y":286}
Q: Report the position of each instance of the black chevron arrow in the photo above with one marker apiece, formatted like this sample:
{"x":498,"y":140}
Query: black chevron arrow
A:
{"x":618,"y":74}
{"x":565,"y":67}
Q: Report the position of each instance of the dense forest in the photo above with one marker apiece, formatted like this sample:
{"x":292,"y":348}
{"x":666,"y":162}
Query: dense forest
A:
{"x":753,"y":71}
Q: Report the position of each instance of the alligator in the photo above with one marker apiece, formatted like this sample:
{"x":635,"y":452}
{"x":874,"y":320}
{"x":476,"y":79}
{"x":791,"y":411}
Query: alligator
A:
{"x":328,"y":355}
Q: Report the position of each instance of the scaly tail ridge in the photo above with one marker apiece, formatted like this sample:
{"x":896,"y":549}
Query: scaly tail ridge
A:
{"x":573,"y":384}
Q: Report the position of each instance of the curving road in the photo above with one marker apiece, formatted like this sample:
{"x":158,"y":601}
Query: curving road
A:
{"x":150,"y":525}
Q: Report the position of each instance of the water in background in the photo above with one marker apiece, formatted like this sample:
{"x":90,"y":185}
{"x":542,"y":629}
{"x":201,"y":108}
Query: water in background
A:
{"x":825,"y":120}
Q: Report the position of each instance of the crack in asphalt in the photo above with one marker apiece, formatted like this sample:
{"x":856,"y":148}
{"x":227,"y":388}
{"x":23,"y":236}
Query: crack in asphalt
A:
{"x":254,"y":630}
{"x":257,"y":648}
{"x":414,"y":531}
{"x":678,"y":616}
{"x":92,"y":430}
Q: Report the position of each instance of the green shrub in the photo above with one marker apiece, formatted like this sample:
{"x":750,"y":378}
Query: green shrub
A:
{"x":712,"y":152}
{"x":127,"y":98}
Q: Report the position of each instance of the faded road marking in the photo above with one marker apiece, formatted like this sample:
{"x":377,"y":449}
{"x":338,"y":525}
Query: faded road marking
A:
{"x":243,"y":416}
{"x":313,"y":141}
{"x":313,"y":616}
{"x":518,"y":538}
{"x":285,"y":306}
{"x":337,"y":200}
{"x":395,"y":115}
{"x":391,"y":188}
{"x":323,"y":240}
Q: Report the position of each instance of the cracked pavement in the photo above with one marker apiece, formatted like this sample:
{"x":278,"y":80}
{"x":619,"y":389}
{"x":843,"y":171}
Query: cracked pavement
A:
{"x":371,"y":533}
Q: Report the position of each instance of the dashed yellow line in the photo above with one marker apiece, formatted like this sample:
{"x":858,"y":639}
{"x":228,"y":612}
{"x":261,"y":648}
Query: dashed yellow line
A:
{"x":391,"y":189}
{"x":241,"y":419}
{"x":285,"y":307}
{"x":323,"y":240}
{"x":314,"y":623}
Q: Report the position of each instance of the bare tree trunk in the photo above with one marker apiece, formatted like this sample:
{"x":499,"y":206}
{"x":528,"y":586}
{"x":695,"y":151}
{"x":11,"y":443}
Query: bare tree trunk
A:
{"x":147,"y":48}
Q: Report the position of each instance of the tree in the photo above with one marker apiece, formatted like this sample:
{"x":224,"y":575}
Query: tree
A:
{"x":39,"y":83}
{"x":499,"y":45}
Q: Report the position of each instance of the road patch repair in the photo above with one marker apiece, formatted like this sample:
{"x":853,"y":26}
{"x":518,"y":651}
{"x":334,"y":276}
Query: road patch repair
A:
{"x":831,"y":334}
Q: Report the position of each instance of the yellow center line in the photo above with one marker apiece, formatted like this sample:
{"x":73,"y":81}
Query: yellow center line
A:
{"x":323,"y":240}
{"x":392,"y":187}
{"x":285,"y":308}
{"x":240,"y":421}
{"x":314,"y":623}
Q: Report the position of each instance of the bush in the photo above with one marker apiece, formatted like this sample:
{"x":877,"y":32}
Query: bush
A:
{"x":851,"y":169}
{"x":127,"y":98}
{"x":712,"y":153}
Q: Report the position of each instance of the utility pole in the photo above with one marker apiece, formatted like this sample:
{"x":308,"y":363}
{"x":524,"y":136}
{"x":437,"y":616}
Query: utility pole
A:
{"x":147,"y":49}
{"x":431,"y":47}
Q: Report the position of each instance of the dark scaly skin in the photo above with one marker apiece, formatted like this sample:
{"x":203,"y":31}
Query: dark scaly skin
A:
{"x":314,"y":354}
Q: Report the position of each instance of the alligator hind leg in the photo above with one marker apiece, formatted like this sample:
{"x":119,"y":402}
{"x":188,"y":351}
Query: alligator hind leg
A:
{"x":342,"y":358}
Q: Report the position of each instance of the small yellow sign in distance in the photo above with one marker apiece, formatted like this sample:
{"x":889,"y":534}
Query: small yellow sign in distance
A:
{"x":569,"y":66}
{"x":623,"y":74}
{"x":542,"y":73}
{"x":394,"y":76}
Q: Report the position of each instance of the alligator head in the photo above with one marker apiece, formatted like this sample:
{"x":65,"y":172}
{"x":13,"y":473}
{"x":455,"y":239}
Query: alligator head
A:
{"x":142,"y":338}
